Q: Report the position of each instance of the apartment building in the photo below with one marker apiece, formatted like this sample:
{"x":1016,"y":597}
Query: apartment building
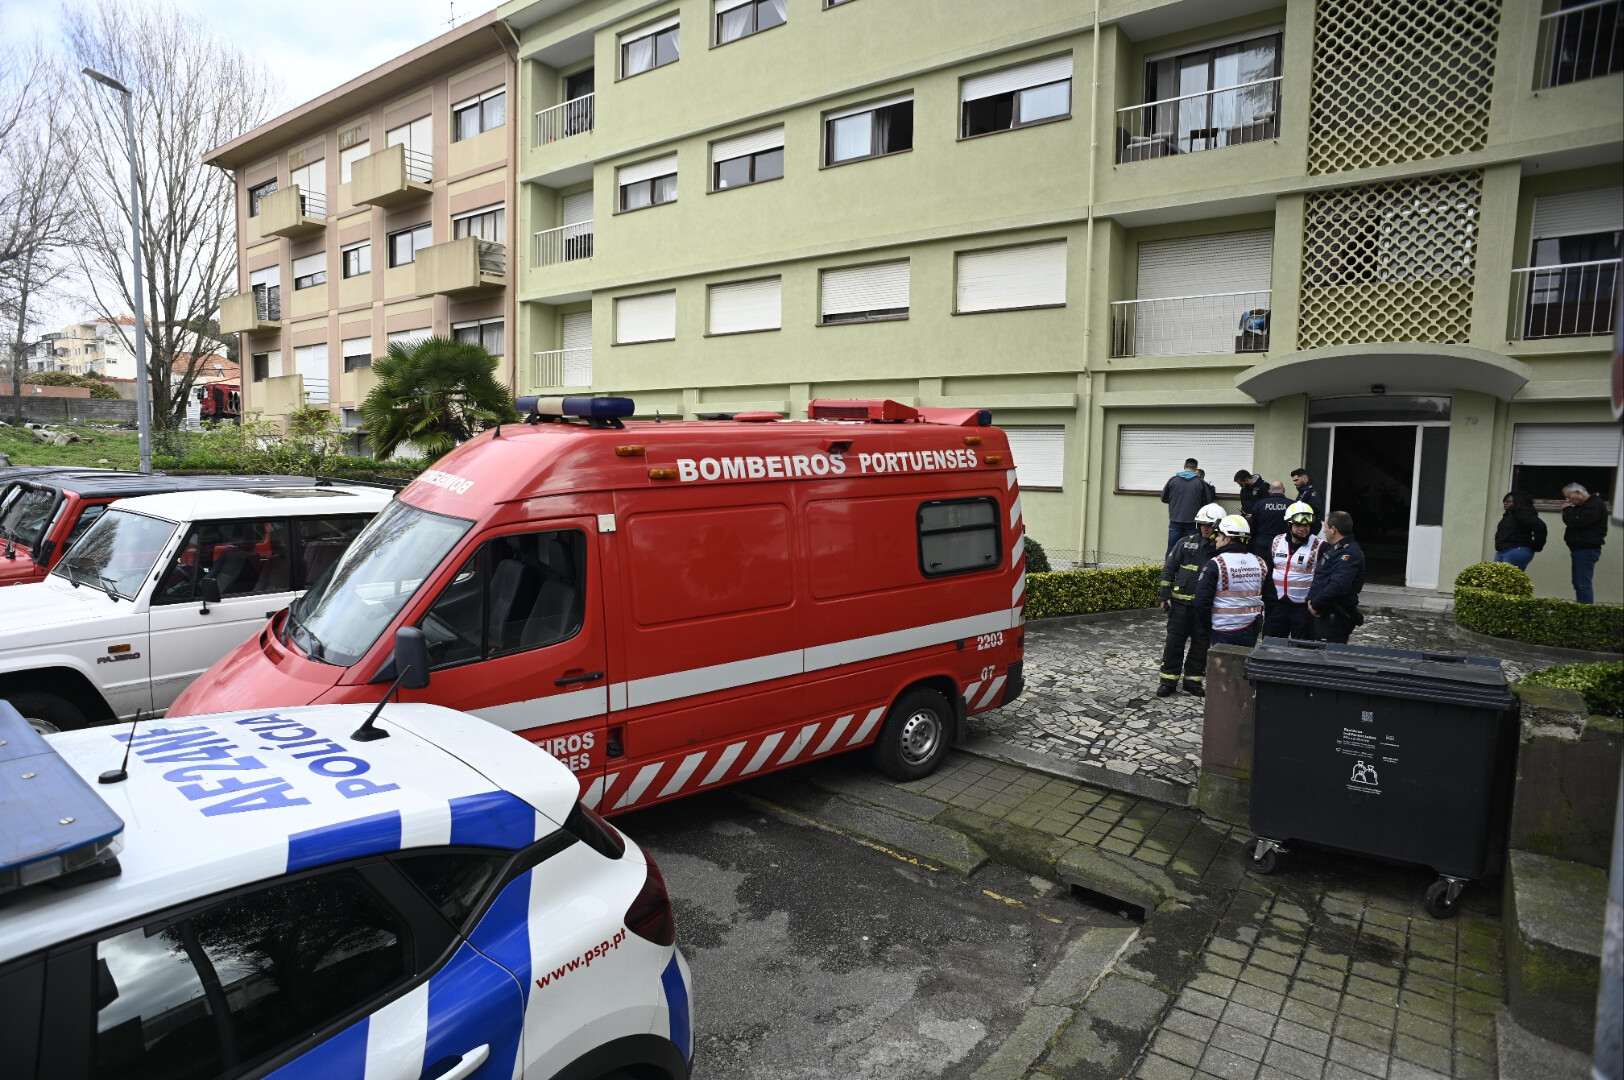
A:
{"x":1379,"y":238}
{"x":91,"y":347}
{"x":376,"y":213}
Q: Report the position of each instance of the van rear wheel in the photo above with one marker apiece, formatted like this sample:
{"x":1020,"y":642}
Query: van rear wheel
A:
{"x":916,"y":736}
{"x":47,"y":712}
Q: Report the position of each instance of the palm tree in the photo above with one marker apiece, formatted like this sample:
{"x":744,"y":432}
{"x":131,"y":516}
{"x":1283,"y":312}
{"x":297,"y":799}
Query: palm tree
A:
{"x":434,"y":395}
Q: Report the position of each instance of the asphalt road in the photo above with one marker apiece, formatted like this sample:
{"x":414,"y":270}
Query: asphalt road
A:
{"x":815,"y":956}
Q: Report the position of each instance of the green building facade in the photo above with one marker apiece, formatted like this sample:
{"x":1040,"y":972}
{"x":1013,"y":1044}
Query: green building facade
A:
{"x":1379,"y":238}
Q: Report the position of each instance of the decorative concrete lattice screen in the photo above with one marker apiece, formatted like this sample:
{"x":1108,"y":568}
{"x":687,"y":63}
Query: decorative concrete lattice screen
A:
{"x":1390,"y":262}
{"x":1400,"y":80}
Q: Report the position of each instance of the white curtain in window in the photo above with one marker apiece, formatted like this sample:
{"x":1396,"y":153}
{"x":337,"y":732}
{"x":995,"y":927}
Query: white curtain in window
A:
{"x":735,"y":19}
{"x":651,"y":317}
{"x":1016,"y":78}
{"x":1147,"y":456}
{"x":639,"y":55}
{"x":746,"y":305}
{"x":1040,"y":455}
{"x":1032,"y":275}
{"x":853,"y":136}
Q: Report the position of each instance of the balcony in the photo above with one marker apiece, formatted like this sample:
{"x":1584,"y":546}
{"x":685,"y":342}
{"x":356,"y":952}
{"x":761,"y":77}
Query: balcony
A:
{"x":1208,"y":120}
{"x":463,"y":267}
{"x":293,"y":213}
{"x":563,"y":120}
{"x":251,"y":312}
{"x":1579,"y":43}
{"x":559,"y":368}
{"x":1210,"y":324}
{"x":566,"y":243}
{"x":1573,"y":300}
{"x":393,"y":177}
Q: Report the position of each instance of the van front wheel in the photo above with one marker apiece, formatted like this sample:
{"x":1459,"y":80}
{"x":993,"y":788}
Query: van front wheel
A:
{"x":916,"y":736}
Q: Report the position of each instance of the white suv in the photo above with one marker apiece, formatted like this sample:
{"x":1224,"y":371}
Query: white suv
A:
{"x":158,"y":589}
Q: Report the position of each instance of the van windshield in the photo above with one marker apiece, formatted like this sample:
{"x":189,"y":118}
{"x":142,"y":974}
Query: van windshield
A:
{"x":337,"y":621}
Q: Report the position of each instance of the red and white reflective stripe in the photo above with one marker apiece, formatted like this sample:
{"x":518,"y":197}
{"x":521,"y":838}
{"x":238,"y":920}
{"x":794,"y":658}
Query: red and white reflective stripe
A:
{"x":992,"y":692}
{"x":1016,"y":550}
{"x":1009,"y":478}
{"x":1014,"y":511}
{"x":1019,"y":590}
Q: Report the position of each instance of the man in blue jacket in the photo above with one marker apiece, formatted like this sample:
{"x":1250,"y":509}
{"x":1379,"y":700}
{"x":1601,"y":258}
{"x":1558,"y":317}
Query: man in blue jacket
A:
{"x":1184,"y":493}
{"x":1333,"y":599}
{"x":1307,"y":492}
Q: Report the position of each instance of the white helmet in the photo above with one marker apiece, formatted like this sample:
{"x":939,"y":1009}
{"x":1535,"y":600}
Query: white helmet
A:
{"x":1234,"y":525}
{"x":1300,"y":513}
{"x":1211,"y":514}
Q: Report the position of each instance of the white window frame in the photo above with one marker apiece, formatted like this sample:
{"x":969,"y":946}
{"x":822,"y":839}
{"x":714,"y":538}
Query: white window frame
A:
{"x":477,"y":102}
{"x":498,"y":209}
{"x":480,"y":325}
{"x":870,"y":108}
{"x":414,"y":229}
{"x":653,"y":29}
{"x":344,"y":263}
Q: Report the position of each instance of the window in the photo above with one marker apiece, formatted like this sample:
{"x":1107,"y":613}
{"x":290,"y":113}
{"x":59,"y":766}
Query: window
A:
{"x":266,"y":284}
{"x":747,"y":159}
{"x":1577,"y":235}
{"x":1015,"y":97}
{"x":310,"y":271}
{"x":487,"y":224}
{"x":873,"y":130}
{"x":649,"y":47}
{"x":322,"y":541}
{"x":348,"y":158}
{"x":490,"y":333}
{"x":87,"y":518}
{"x":1004,"y":279}
{"x":517,"y":592}
{"x":1147,"y":456}
{"x":959,"y":535}
{"x":310,"y":361}
{"x":1040,"y":456}
{"x":1223,"y":95}
{"x":243,"y":557}
{"x":483,"y":113}
{"x":357,"y":353}
{"x":256,"y":195}
{"x":741,"y":18}
{"x":418,"y":139}
{"x":404,"y":245}
{"x":649,"y":183}
{"x":357,"y":259}
{"x":262,"y":366}
{"x":652,"y":317}
{"x":406,"y":339}
{"x":220,"y":990}
{"x":1545,"y":458}
{"x":865,"y":293}
{"x":1206,"y":289}
{"x":454,"y":881}
{"x":311,"y":180}
{"x":743,"y":306}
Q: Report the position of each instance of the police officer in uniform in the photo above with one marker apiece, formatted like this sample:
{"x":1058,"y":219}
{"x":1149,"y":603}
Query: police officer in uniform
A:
{"x":1253,"y":489}
{"x":1333,"y":598}
{"x":1269,"y":519}
{"x":1308,"y":493}
{"x":1179,"y":576}
{"x":1229,"y":594}
{"x":1292,"y":559}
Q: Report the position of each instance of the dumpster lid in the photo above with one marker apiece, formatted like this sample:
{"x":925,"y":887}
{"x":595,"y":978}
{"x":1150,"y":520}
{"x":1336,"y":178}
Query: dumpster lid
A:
{"x":1433,"y":676}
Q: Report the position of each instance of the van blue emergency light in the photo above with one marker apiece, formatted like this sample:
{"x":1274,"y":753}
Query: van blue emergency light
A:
{"x":586,"y":408}
{"x":51,"y":822}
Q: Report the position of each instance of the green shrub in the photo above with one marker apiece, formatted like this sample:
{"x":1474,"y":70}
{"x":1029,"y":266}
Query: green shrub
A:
{"x":1081,"y":592}
{"x":1601,"y":684}
{"x":97,"y":388}
{"x":1496,"y":577}
{"x":1037,"y":560}
{"x":1540,"y":620}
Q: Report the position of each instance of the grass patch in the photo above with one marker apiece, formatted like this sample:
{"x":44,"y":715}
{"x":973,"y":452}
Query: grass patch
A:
{"x":122,"y":450}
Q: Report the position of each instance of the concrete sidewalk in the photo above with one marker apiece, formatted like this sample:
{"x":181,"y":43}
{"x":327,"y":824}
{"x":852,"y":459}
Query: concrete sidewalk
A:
{"x":1330,"y":969}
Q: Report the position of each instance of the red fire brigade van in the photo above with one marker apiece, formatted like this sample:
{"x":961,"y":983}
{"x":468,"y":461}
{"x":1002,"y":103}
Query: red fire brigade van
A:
{"x":667,"y":607}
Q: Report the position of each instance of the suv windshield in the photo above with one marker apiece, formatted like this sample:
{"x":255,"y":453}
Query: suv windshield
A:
{"x":26,"y":515}
{"x":117,"y":553}
{"x":342,"y":615}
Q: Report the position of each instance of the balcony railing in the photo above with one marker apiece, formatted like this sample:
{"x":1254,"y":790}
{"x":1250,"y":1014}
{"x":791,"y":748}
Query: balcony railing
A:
{"x":561,"y":121}
{"x":1235,"y":322}
{"x":564,"y":367}
{"x":419,"y":167}
{"x":313,"y":203}
{"x":268,"y":303}
{"x":492,"y":257}
{"x":1207,"y":120}
{"x":1572,"y":300}
{"x":1578,"y":43}
{"x":564,"y":244}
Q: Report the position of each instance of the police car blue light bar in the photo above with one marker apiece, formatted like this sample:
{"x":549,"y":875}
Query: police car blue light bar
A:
{"x":51,"y":822}
{"x":587,"y":408}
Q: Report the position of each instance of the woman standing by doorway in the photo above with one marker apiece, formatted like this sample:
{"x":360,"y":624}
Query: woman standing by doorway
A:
{"x":1521,"y":533}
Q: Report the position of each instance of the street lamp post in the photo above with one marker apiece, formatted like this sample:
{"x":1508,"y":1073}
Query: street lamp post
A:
{"x":143,"y":403}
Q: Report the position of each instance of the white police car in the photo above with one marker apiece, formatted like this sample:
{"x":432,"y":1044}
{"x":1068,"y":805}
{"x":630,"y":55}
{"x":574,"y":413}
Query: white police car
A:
{"x":266,"y":894}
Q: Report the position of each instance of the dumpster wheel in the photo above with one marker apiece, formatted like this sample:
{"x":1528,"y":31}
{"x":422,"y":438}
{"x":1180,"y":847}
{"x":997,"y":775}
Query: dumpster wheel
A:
{"x":1443,"y":896}
{"x":1263,"y":854}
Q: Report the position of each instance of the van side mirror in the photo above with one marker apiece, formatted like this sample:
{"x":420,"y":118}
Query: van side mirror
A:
{"x":209,"y":590}
{"x":411,"y":658}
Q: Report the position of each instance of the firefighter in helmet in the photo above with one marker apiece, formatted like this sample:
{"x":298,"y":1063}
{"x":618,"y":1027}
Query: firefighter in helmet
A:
{"x":1293,"y":557}
{"x":1190,"y":553}
{"x":1229,"y":593}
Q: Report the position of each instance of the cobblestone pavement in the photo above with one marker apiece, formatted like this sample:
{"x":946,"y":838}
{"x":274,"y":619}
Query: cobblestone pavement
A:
{"x":1091,"y":690}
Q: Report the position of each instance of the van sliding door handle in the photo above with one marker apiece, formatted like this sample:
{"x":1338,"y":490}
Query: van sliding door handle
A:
{"x":591,"y":676}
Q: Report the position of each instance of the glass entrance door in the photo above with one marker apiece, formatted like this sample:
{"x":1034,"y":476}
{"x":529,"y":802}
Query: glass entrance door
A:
{"x":1390,"y":477}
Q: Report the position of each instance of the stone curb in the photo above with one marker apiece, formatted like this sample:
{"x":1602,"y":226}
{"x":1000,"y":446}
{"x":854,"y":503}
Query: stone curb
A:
{"x":1093,"y":617}
{"x":1144,"y":787}
{"x":1539,"y":652}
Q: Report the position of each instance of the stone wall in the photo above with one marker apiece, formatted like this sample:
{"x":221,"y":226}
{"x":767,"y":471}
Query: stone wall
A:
{"x":41,"y":409}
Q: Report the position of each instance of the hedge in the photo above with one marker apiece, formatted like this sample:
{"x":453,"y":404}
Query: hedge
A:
{"x":1496,"y":577}
{"x":1540,"y":620}
{"x":1081,"y":592}
{"x":1601,"y":684}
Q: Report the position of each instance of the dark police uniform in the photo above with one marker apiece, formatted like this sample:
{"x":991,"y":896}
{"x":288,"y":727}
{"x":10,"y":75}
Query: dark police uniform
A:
{"x":1268,"y":522}
{"x":1179,"y":576}
{"x":1310,"y":494}
{"x":1253,"y":492}
{"x":1338,"y":579}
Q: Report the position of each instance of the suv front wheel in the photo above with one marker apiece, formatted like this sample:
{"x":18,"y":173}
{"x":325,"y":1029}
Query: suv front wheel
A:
{"x":46,"y":712}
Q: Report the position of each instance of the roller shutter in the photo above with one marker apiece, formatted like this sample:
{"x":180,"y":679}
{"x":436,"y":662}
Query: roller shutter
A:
{"x":652,"y":317}
{"x":1147,"y":456}
{"x":743,"y":306}
{"x":1040,"y":455}
{"x":1032,"y":275}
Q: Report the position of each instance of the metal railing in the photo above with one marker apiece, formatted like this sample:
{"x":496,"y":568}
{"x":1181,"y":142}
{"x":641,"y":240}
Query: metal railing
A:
{"x":1578,"y":43}
{"x":268,"y":303}
{"x":1572,"y":300}
{"x":313,"y":203}
{"x":573,"y":117}
{"x":1210,"y":323}
{"x":566,"y":243}
{"x":419,"y":167}
{"x":563,"y":367}
{"x":492,"y":257}
{"x":1206,"y":120}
